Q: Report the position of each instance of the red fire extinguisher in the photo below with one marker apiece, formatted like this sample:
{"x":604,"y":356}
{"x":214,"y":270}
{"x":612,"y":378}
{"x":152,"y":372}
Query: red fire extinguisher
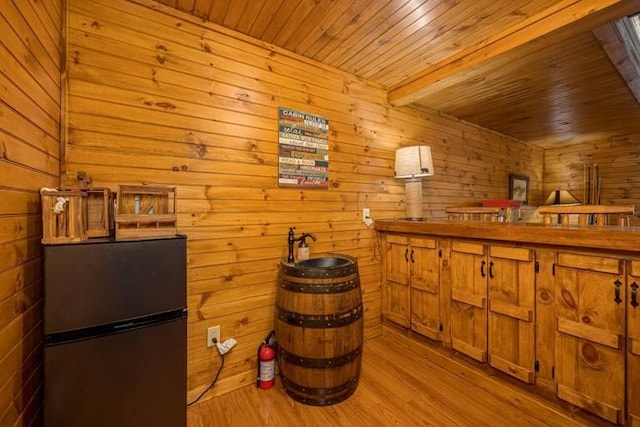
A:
{"x":267,"y":362}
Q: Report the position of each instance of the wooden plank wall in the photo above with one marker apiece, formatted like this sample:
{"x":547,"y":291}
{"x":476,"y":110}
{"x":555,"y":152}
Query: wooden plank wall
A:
{"x":31,"y":57}
{"x":618,"y":160}
{"x":156,"y":96}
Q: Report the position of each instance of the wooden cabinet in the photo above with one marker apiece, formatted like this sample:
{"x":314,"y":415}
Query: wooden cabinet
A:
{"x":468,"y":303}
{"x":545,"y":320}
{"x":397,"y":302}
{"x":512,"y":283}
{"x":633,"y":343}
{"x":590,"y":321}
{"x":563,"y":311}
{"x":492,"y":305}
{"x":425,"y":288}
{"x":412,"y":288}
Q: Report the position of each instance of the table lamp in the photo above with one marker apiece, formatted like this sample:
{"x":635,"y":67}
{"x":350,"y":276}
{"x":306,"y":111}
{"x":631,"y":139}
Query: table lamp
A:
{"x":561,"y":198}
{"x":412,"y":164}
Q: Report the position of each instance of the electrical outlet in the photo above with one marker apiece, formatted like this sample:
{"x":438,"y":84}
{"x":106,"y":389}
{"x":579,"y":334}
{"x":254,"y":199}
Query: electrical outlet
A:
{"x":213,"y":335}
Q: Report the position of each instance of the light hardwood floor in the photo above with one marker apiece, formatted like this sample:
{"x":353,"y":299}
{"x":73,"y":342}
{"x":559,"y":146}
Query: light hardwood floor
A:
{"x":402,"y":383}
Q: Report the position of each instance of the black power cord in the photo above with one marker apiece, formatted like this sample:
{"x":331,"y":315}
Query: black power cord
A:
{"x":212,"y":383}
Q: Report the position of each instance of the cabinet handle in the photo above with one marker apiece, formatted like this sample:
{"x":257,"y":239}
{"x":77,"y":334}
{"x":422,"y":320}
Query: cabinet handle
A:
{"x":491,"y":276}
{"x":482,"y":269}
{"x":412,"y":260}
{"x":634,"y":295}
{"x":406,"y":254}
{"x":617,"y":285}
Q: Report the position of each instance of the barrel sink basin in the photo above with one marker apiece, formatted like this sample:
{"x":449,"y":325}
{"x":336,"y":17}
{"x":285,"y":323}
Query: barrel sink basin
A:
{"x":325,"y":262}
{"x":332,"y":265}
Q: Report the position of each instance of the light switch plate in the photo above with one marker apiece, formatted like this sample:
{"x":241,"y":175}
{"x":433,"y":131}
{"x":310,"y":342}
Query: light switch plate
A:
{"x":366,"y":213}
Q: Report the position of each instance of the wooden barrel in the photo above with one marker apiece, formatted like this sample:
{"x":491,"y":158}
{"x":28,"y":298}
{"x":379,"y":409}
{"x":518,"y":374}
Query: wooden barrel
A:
{"x":319,"y":329}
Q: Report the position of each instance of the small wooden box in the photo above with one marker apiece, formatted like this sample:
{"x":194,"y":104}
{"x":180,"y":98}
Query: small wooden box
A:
{"x":64,"y":216}
{"x":99,"y":212}
{"x":145,"y":212}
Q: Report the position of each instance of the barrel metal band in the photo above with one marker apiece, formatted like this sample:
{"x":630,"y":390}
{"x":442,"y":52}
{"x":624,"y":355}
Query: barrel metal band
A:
{"x":320,"y":273}
{"x":317,"y":288}
{"x":330,"y":395}
{"x":319,"y":363}
{"x":320,"y":321}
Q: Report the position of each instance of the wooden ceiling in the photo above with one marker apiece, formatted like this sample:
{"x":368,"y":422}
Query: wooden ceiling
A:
{"x":533,"y":70}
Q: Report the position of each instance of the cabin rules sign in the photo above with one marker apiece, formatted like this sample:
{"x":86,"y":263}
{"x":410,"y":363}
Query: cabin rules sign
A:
{"x":303,"y":146}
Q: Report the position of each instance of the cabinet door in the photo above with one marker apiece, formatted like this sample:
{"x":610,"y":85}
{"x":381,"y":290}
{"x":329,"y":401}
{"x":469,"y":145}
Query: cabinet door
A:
{"x":590,"y":320}
{"x":425,"y":288}
{"x":468,"y":310}
{"x":511,"y":311}
{"x":545,"y":320}
{"x":633,"y":344}
{"x":396,"y":293}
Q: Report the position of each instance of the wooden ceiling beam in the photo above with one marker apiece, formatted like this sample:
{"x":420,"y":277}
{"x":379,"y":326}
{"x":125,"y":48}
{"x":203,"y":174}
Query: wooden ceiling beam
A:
{"x":559,"y":22}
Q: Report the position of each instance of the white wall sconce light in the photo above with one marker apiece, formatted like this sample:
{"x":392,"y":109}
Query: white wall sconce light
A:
{"x":412,"y":164}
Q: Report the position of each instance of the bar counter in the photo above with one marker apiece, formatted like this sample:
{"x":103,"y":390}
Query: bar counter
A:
{"x":612,"y":238}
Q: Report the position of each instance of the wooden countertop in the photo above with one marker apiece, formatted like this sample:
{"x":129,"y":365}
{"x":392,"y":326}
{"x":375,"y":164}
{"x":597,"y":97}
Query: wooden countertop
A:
{"x":604,"y":238}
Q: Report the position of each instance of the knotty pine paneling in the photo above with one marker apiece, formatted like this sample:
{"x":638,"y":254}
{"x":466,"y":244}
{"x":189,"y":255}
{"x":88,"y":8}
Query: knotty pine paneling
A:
{"x":156,"y":96}
{"x":618,"y":160}
{"x":511,"y":94}
{"x":30,"y":104}
{"x":380,"y":40}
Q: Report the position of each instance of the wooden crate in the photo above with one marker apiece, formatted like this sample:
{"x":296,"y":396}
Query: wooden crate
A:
{"x":64,"y":216}
{"x":99,"y":212}
{"x":145,"y":212}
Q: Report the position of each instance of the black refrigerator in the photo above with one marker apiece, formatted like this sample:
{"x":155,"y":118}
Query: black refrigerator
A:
{"x":115,"y":333}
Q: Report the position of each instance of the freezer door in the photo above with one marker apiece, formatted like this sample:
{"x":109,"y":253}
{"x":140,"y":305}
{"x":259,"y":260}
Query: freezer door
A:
{"x":135,"y":378}
{"x":103,"y":282}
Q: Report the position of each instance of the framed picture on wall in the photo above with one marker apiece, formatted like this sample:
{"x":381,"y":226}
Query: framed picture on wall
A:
{"x":519,"y":188}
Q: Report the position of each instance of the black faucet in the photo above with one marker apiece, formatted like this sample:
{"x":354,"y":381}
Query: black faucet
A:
{"x":291,"y":239}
